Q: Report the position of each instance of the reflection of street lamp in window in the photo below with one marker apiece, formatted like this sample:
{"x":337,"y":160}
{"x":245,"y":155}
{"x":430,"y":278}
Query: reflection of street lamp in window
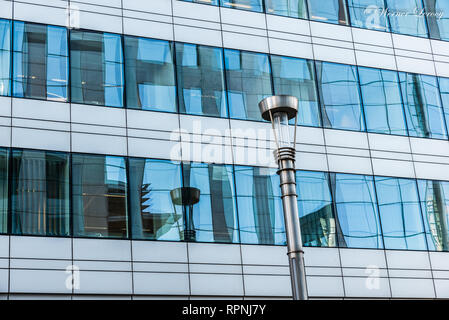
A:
{"x":279,"y":110}
{"x":186,"y":197}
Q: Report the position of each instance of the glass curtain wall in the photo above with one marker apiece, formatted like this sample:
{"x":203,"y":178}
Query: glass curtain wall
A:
{"x":340,"y":97}
{"x":150,"y":74}
{"x":437,"y":18}
{"x":318,"y":224}
{"x":382,"y":101}
{"x":248,"y":77}
{"x":423,"y":107}
{"x":331,"y":11}
{"x":5,"y":57}
{"x":296,"y":77}
{"x":261,"y":219}
{"x":41,"y":62}
{"x":4,"y":159}
{"x":154,"y":214}
{"x":288,"y":8}
{"x":210,"y":208}
{"x":400,"y":213}
{"x":406,"y":17}
{"x":96,"y":66}
{"x":201,"y":84}
{"x":99,"y":196}
{"x":40,"y":193}
{"x":368,"y":14}
{"x":250,"y":5}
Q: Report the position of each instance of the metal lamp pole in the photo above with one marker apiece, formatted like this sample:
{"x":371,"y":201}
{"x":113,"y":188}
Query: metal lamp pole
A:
{"x":279,"y":110}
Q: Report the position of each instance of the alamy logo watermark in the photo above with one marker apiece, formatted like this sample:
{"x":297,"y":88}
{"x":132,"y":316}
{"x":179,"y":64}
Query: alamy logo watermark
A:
{"x":72,"y":281}
{"x":73,"y":16}
{"x":372,"y":281}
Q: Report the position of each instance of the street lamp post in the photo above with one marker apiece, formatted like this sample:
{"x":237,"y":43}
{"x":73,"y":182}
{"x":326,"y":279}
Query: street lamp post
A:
{"x":279,"y":110}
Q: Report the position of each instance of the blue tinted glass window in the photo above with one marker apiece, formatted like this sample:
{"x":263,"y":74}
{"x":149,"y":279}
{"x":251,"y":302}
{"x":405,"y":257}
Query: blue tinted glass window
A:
{"x":357,"y":214}
{"x":248,"y":82}
{"x":434,"y":196}
{"x":296,"y":77}
{"x":444,"y":92}
{"x":5,"y":57}
{"x":150,"y":74}
{"x":259,"y":204}
{"x":423,"y":107}
{"x":40,"y":61}
{"x":406,"y":17}
{"x":340,"y":97}
{"x":212,"y":2}
{"x":400,"y":214}
{"x":40,"y":196}
{"x":251,"y":5}
{"x":332,"y":11}
{"x":201,"y":84}
{"x":289,"y":8}
{"x":4,"y":156}
{"x":318,"y":224}
{"x":154,"y":214}
{"x":210,"y":214}
{"x":368,"y":14}
{"x":382,"y":101}
{"x":96,"y":61}
{"x":99,"y":196}
{"x":438,"y":18}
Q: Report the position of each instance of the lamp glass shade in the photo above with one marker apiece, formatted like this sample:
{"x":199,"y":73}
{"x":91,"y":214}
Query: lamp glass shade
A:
{"x":281,"y":129}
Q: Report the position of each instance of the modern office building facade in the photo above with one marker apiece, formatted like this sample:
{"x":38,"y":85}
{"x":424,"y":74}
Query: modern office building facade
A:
{"x":134,"y":162}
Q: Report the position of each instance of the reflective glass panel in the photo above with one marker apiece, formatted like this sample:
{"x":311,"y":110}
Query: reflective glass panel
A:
{"x":406,"y":17}
{"x":400,"y":214}
{"x":96,"y":66}
{"x":248,"y":82}
{"x":212,"y":2}
{"x":332,"y":11}
{"x":261,"y":218}
{"x":251,"y":5}
{"x":423,"y":107}
{"x":289,"y":8}
{"x":434,"y":196}
{"x":4,"y":156}
{"x":318,"y":224}
{"x":40,"y":193}
{"x":209,"y":203}
{"x":357,"y":214}
{"x":40,"y":61}
{"x":150,"y":74}
{"x":201,"y":84}
{"x":438,"y":18}
{"x":154,"y":215}
{"x":340,"y":98}
{"x":382,"y":101}
{"x":296,"y":77}
{"x":444,"y":92}
{"x":368,"y":14}
{"x":5,"y":57}
{"x":99,"y":192}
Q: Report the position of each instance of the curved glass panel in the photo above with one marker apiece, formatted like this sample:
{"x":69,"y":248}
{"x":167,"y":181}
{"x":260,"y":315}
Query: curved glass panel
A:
{"x":437,"y":18}
{"x":4,"y":156}
{"x":368,"y":14}
{"x":248,"y":82}
{"x":400,"y":214}
{"x":357,"y":214}
{"x":296,"y":77}
{"x":96,"y":66}
{"x":444,"y":93}
{"x":201,"y":84}
{"x":41,"y":62}
{"x":153,"y":213}
{"x":406,"y":17}
{"x":288,"y":8}
{"x":99,"y":193}
{"x":382,"y":101}
{"x":340,"y":98}
{"x":150,"y":74}
{"x":332,"y":11}
{"x":5,"y":57}
{"x":434,"y":196}
{"x":318,"y":223}
{"x":40,"y":193}
{"x":251,"y":5}
{"x":213,"y":217}
{"x":423,"y":107}
{"x":259,"y":204}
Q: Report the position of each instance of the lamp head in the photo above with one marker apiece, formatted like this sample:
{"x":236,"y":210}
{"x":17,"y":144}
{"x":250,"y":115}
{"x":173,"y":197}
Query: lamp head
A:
{"x":276,"y":104}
